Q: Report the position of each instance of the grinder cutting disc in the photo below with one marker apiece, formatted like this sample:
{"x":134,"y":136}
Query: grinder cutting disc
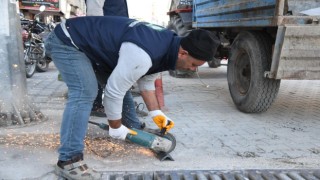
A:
{"x":168,"y":136}
{"x":172,"y":139}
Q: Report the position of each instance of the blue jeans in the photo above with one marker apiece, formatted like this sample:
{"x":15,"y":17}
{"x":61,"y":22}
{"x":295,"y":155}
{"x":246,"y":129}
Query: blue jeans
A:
{"x":77,"y":72}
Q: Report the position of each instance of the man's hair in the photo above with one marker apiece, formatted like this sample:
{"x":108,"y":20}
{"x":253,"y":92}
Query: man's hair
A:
{"x":201,"y":44}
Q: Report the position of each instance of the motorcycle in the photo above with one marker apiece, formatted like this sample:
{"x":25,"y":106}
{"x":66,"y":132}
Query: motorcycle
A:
{"x":34,"y":50}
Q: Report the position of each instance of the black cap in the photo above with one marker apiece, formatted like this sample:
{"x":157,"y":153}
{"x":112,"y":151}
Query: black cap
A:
{"x":201,"y":44}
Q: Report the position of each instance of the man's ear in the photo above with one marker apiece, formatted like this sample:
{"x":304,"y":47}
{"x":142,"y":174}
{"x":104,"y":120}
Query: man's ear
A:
{"x":182,"y":51}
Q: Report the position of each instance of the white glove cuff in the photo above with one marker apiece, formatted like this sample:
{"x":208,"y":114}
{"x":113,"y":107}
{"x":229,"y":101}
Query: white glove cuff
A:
{"x":156,"y":113}
{"x":119,"y":133}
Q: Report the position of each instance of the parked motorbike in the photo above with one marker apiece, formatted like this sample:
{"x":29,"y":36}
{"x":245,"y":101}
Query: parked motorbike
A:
{"x":34,"y":51}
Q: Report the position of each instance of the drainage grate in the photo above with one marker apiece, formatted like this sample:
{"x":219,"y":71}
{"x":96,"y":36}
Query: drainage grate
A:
{"x":296,"y":174}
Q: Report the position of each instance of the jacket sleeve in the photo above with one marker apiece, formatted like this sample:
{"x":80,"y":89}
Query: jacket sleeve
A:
{"x":133,"y":63}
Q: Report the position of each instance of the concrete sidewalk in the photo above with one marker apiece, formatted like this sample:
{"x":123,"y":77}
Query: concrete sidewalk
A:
{"x":211,"y":133}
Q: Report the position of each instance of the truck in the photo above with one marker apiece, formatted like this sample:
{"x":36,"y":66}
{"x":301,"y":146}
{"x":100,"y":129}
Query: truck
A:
{"x":264,"y":41}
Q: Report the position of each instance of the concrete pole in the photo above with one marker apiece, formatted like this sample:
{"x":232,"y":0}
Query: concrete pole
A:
{"x":14,"y":103}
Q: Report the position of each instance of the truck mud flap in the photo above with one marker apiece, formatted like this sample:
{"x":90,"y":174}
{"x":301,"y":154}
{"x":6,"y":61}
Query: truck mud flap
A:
{"x":296,"y":53}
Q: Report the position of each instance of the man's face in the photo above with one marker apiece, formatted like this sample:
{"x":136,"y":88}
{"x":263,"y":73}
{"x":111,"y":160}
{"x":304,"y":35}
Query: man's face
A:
{"x":187,"y":62}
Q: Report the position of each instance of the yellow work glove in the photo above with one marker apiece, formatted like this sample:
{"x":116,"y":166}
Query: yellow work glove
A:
{"x":121,"y":132}
{"x":162,"y":121}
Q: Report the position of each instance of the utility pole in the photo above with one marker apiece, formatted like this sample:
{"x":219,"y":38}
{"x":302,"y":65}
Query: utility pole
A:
{"x":15,"y":106}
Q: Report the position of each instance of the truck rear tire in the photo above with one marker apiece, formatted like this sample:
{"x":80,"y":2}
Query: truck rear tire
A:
{"x":176,"y":25}
{"x":250,"y":57}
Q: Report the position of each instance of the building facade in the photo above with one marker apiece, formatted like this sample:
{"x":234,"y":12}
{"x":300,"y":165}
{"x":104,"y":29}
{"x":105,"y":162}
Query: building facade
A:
{"x":55,"y":9}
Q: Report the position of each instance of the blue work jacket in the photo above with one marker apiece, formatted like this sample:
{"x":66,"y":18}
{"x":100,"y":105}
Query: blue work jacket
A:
{"x":100,"y":38}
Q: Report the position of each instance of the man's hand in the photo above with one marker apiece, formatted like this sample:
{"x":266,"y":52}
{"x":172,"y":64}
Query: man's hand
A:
{"x":121,"y":132}
{"x":161,"y":120}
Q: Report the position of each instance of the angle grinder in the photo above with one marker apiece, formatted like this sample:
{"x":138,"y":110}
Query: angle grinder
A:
{"x":155,"y":140}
